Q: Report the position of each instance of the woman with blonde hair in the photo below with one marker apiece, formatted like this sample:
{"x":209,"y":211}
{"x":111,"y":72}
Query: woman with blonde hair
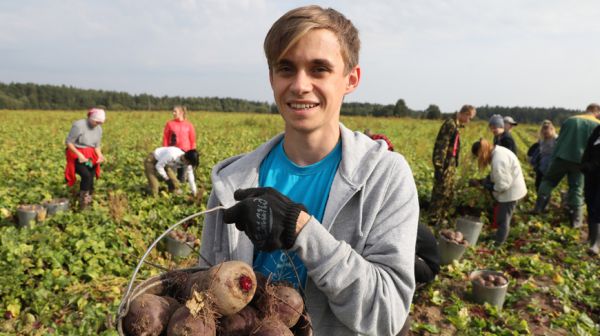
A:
{"x":540,"y":153}
{"x":505,"y":181}
{"x":180,"y":133}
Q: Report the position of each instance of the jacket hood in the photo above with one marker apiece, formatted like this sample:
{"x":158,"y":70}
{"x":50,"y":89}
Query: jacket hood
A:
{"x":360,"y":156}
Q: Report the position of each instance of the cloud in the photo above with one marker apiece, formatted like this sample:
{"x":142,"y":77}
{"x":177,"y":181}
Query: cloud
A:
{"x":511,"y":52}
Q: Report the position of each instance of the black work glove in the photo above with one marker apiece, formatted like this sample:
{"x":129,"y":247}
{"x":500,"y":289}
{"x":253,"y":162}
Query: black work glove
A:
{"x":268,"y":217}
{"x":474,"y":183}
{"x":487,"y":183}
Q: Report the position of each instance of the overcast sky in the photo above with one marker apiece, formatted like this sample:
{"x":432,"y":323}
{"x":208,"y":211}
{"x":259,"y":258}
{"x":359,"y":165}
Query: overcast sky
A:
{"x":499,"y":52}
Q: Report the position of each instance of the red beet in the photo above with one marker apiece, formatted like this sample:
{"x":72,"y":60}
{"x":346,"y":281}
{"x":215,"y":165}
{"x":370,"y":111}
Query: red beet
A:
{"x":272,"y":327}
{"x":195,"y":318}
{"x":240,"y":323}
{"x":183,"y":323}
{"x":288,"y":305}
{"x":278,"y":300}
{"x":231,"y":285}
{"x":148,"y":315}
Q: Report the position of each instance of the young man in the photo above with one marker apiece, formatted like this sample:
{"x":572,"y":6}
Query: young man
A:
{"x":445,"y":160}
{"x":566,"y":158}
{"x":319,"y":205}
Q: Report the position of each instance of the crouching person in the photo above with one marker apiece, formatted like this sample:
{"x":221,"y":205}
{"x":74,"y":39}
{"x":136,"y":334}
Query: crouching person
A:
{"x":505,"y":181}
{"x":84,"y":154}
{"x":319,"y":205}
{"x":163,"y":162}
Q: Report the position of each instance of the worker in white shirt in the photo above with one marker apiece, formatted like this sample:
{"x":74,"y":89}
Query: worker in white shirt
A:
{"x":163,"y":162}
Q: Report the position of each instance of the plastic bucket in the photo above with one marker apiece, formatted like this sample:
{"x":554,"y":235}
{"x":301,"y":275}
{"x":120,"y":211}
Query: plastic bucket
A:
{"x":29,"y":213}
{"x":56,"y":205}
{"x":470,"y":227}
{"x":492,"y":295}
{"x":449,"y":250}
{"x":178,"y":248}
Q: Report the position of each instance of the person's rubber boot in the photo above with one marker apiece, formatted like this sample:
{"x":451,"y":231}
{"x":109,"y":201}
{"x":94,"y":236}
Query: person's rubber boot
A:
{"x":85,"y":199}
{"x":89,"y":198}
{"x":594,"y":236}
{"x":540,"y":204}
{"x":576,"y":217}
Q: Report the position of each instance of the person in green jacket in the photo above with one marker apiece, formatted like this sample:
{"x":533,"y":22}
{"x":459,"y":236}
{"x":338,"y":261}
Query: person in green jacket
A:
{"x":566,"y":159}
{"x":445,"y":160}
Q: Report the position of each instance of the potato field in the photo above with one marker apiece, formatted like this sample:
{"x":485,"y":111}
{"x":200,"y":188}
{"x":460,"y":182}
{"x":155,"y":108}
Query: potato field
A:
{"x":66,"y":274}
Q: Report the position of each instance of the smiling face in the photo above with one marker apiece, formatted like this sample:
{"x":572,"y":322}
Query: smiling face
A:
{"x":309,"y":83}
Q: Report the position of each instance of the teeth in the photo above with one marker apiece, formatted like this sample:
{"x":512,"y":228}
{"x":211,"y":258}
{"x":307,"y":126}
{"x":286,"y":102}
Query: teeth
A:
{"x":302,"y":106}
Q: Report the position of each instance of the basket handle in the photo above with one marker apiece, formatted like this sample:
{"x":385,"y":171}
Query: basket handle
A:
{"x":139,"y":265}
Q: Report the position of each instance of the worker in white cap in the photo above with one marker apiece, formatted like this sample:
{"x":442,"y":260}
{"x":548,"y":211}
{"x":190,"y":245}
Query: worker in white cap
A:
{"x":84,"y":154}
{"x":509,"y":123}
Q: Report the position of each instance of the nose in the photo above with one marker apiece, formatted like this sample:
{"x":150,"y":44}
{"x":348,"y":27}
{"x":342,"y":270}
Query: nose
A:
{"x":301,"y":83}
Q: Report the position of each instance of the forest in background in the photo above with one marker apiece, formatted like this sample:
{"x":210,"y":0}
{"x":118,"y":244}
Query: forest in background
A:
{"x":19,"y":96}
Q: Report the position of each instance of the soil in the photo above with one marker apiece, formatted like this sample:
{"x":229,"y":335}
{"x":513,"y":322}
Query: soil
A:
{"x":539,"y":320}
{"x":432,"y":315}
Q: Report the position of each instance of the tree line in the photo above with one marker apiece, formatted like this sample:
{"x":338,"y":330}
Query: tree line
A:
{"x":17,"y":96}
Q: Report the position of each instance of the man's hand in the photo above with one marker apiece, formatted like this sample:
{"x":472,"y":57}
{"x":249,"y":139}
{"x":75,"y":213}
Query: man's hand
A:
{"x":268,"y":217}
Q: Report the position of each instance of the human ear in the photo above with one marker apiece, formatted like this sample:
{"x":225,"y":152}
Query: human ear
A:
{"x":353,"y":79}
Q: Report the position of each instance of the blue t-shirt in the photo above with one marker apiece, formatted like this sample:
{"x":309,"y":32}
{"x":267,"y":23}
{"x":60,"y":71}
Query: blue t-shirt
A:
{"x":309,"y":185}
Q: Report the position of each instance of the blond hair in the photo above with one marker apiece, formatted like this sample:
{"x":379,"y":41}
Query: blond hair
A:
{"x":182,"y":109}
{"x":296,"y":23}
{"x":547,"y":124}
{"x":482,"y":149}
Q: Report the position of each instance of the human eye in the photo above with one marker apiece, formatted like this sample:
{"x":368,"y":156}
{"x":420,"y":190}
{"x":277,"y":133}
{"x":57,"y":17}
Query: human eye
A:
{"x":321,"y":68}
{"x":284,"y":69}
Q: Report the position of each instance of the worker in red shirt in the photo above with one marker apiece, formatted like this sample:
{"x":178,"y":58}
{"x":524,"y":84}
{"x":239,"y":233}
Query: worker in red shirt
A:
{"x":179,"y":132}
{"x":380,"y":137}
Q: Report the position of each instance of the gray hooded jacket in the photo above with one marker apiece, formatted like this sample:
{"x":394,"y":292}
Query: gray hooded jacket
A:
{"x":360,"y":260}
